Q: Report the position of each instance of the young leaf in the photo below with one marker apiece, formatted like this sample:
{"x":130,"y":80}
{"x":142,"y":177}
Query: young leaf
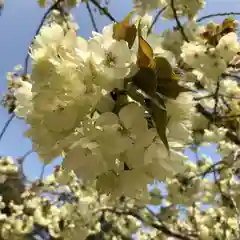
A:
{"x":170,"y":88}
{"x":145,"y":54}
{"x":160,"y":119}
{"x":163,"y":68}
{"x":167,"y":80}
{"x":146,"y":80}
{"x":125,"y":30}
{"x":130,"y":36}
{"x":42,"y":3}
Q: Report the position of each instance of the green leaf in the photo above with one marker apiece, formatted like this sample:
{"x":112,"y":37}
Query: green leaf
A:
{"x":125,"y":31}
{"x":170,"y":88}
{"x":163,"y":68}
{"x":167,"y":80}
{"x":160,"y":118}
{"x":42,"y":3}
{"x":135,"y":95}
{"x":130,"y":36}
{"x":146,"y":80}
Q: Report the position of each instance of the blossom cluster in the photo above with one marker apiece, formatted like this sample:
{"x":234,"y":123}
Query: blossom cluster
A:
{"x":115,"y":105}
{"x":61,"y":206}
{"x":57,"y":206}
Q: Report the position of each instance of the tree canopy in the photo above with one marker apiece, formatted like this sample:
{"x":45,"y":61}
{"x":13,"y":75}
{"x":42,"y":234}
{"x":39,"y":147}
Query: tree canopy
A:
{"x":120,"y":108}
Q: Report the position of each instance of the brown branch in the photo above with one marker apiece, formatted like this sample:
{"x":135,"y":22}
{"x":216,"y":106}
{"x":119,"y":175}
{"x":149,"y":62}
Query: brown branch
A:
{"x":231,"y":75}
{"x":91,"y":16}
{"x":159,"y":227}
{"x":212,"y":168}
{"x":6,"y":125}
{"x":216,"y":98}
{"x":179,"y":25}
{"x":217,"y":15}
{"x":42,"y":172}
{"x":155,"y":20}
{"x":20,"y":161}
{"x":104,"y":10}
{"x":230,"y":135}
{"x":203,"y":97}
{"x":53,"y":7}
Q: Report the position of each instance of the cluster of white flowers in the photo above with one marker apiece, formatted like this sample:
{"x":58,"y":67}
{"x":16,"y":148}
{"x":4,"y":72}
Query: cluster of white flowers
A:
{"x":70,"y":78}
{"x":211,"y":61}
{"x":113,"y":143}
{"x":77,"y":105}
{"x":60,"y":205}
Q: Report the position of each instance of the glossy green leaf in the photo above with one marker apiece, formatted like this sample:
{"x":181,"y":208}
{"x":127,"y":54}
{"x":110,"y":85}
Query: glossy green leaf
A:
{"x":170,"y":88}
{"x":160,"y":118}
{"x":167,"y":80}
{"x":163,"y":68}
{"x":146,"y":80}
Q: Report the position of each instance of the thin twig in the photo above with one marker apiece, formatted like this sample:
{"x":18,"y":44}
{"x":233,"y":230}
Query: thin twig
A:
{"x":104,"y":10}
{"x":193,"y":215}
{"x":212,"y":94}
{"x":153,"y":224}
{"x":217,"y":15}
{"x":54,"y":6}
{"x":212,"y":168}
{"x":235,"y":116}
{"x":231,"y":75}
{"x":92,"y":17}
{"x":155,"y":20}
{"x":42,"y":172}
{"x":20,"y":161}
{"x":229,"y":134}
{"x":6,"y":125}
{"x":216,"y":97}
{"x":180,"y":27}
{"x":203,"y":97}
{"x":231,"y":97}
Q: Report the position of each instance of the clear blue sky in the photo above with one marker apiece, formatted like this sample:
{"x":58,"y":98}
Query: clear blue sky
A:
{"x":18,"y":23}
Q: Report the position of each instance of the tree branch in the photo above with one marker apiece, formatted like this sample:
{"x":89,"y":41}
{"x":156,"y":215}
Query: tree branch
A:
{"x":179,"y":25}
{"x":104,"y":10}
{"x":54,"y":6}
{"x":6,"y":125}
{"x":217,"y":15}
{"x":216,"y":98}
{"x":92,"y":17}
{"x":230,"y":135}
{"x":159,"y":227}
{"x":155,"y":20}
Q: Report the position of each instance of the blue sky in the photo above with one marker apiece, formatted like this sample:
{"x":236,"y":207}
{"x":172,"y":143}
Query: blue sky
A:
{"x":18,"y":23}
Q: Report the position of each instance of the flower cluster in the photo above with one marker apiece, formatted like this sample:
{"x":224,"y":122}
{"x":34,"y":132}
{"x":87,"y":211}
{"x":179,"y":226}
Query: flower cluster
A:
{"x":58,"y":206}
{"x":63,"y":100}
{"x":192,"y":206}
{"x":122,"y":106}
